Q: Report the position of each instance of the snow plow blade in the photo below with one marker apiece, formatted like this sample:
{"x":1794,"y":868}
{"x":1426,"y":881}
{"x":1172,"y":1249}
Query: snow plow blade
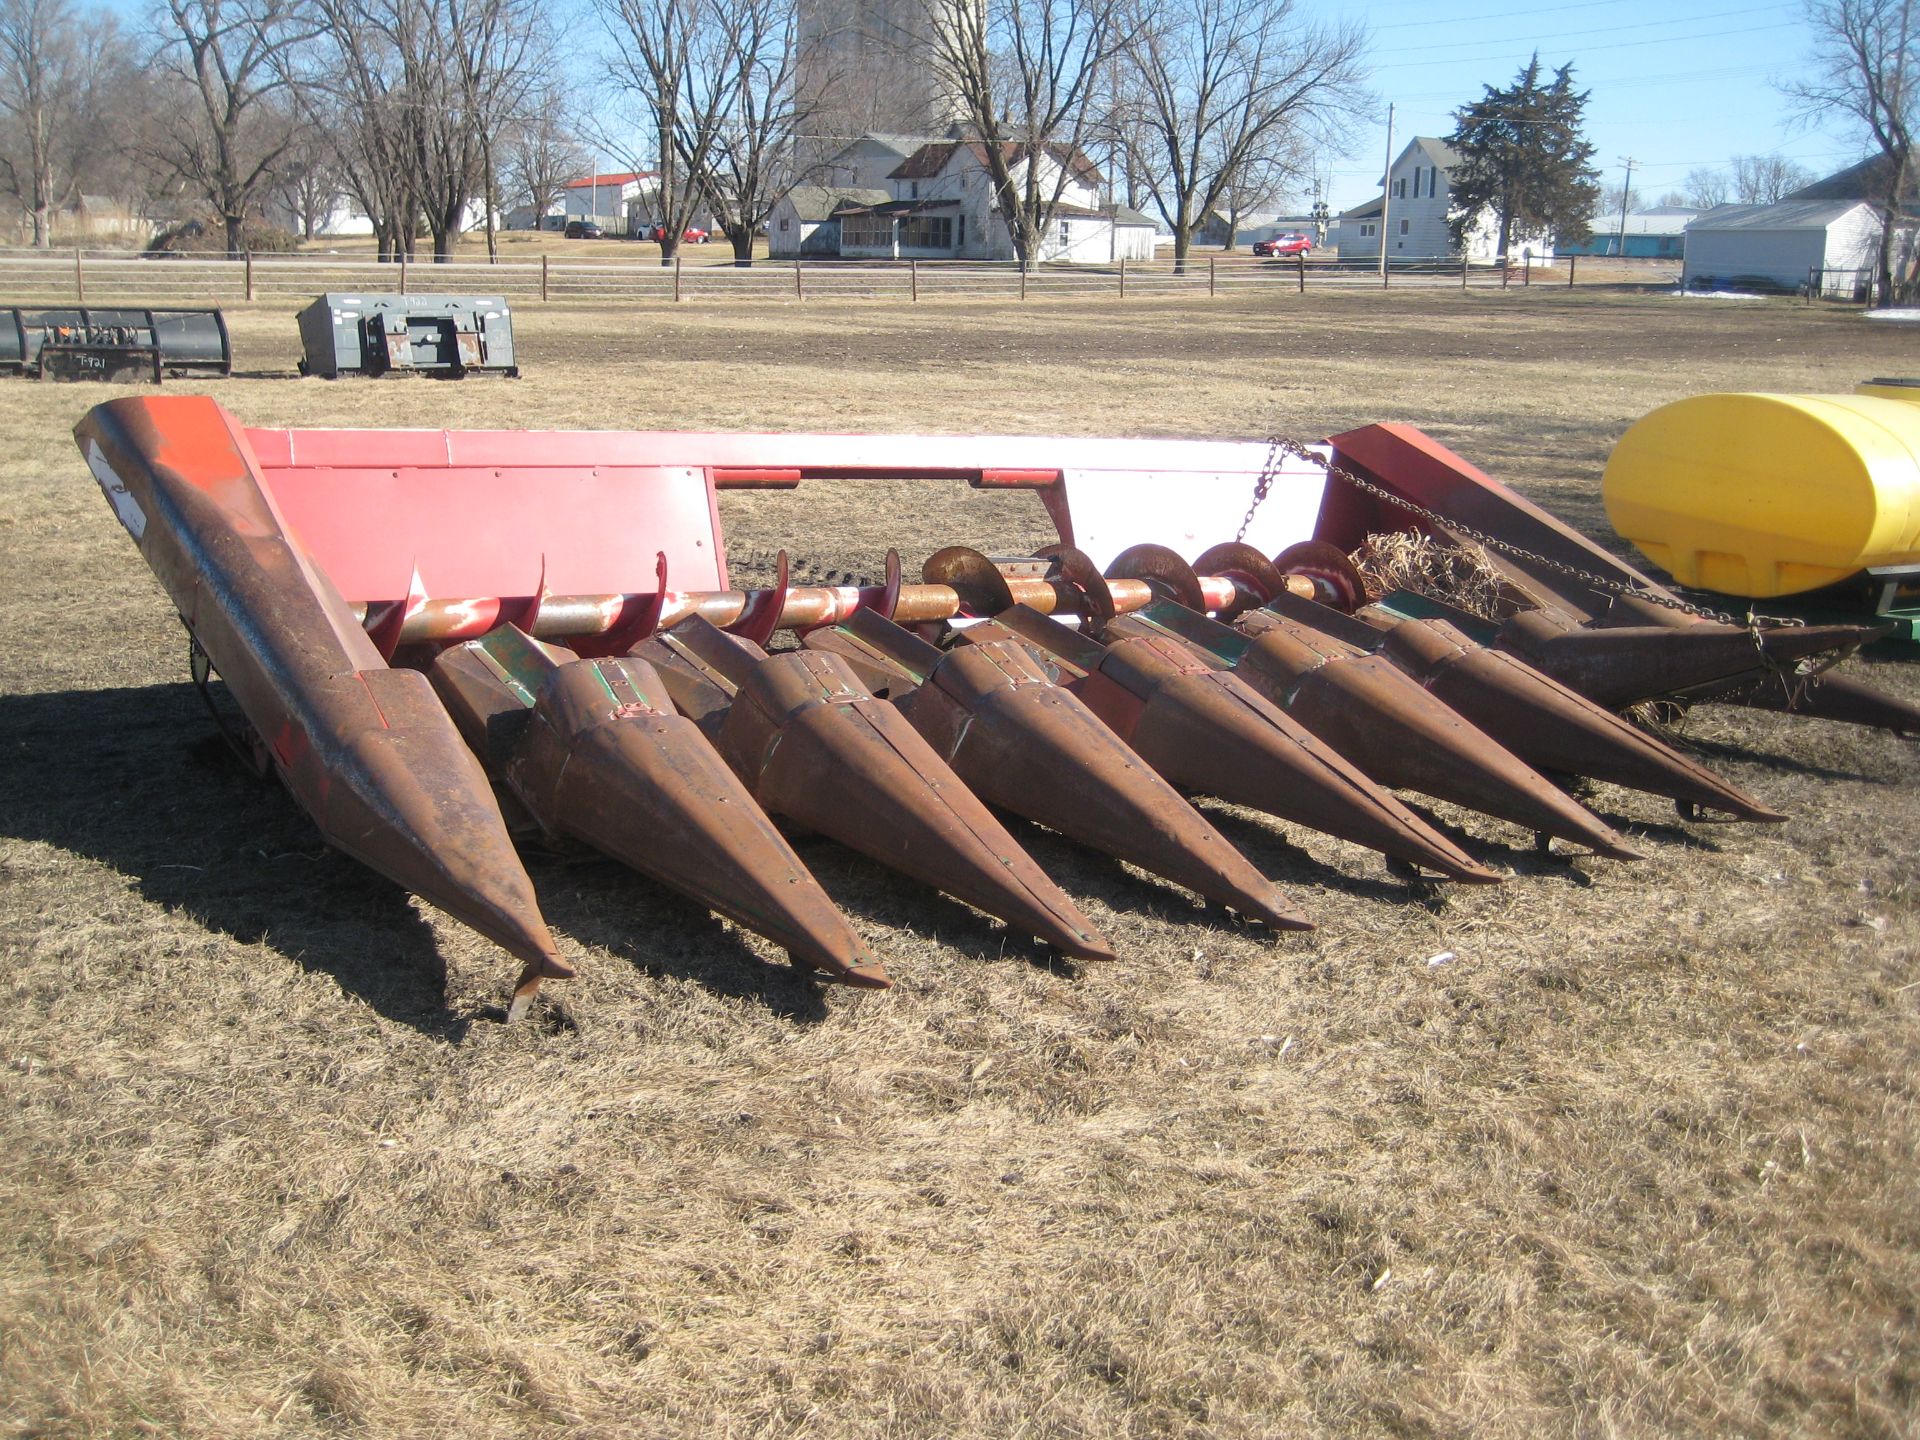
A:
{"x":595,"y":751}
{"x":814,"y":744}
{"x":1208,"y":732}
{"x":366,"y":751}
{"x":1384,"y":722}
{"x":1029,"y":746}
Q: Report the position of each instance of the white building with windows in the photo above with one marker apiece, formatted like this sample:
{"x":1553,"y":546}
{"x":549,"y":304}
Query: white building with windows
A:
{"x":604,"y":199}
{"x":1413,"y":214}
{"x":943,"y":208}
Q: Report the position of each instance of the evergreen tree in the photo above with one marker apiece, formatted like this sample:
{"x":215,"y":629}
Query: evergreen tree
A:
{"x":1523,"y":156}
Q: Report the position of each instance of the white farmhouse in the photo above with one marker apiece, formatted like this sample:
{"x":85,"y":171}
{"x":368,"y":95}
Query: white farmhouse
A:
{"x":1829,"y":243}
{"x":1413,"y":212}
{"x":943,"y":208}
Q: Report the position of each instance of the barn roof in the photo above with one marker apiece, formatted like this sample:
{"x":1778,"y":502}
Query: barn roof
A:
{"x":1786,"y":215}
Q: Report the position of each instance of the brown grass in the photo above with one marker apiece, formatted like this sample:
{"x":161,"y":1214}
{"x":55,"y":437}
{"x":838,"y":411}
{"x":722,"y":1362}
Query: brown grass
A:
{"x":1639,"y":1160}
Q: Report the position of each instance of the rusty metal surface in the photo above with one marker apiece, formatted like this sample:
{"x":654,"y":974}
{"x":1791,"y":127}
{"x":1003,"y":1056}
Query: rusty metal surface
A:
{"x":1029,"y":746}
{"x":368,"y":752}
{"x":595,"y":750}
{"x":813,"y":743}
{"x":1399,"y":734}
{"x":1207,"y":732}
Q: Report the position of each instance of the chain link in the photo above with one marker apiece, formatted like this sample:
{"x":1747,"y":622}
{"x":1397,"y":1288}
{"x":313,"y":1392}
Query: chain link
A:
{"x":1263,"y":482}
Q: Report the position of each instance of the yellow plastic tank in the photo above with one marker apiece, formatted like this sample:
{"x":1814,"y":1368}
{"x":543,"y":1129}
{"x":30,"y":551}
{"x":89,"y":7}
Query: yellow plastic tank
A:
{"x":1764,"y":495}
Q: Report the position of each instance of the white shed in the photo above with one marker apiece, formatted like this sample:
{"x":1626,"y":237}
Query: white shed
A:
{"x":1784,"y":245}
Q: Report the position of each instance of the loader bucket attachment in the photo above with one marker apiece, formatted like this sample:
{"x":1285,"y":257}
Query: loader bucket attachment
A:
{"x":814,"y":744}
{"x":366,"y":751}
{"x":1390,"y":727}
{"x":444,"y":335}
{"x":1027,"y":745}
{"x":595,"y":751}
{"x":1206,"y":732}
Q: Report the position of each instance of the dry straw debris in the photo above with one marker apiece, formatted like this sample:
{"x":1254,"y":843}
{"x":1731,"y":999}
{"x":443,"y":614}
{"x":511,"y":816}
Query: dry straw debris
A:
{"x":1638,"y":1159}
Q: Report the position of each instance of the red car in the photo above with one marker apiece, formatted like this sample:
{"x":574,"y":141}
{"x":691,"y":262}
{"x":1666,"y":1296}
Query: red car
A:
{"x":1295,"y":244}
{"x":692,"y":235}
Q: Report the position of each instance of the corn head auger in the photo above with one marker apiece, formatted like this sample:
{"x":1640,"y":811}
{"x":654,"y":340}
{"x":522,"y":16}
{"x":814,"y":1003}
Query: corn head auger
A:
{"x":418,"y":624}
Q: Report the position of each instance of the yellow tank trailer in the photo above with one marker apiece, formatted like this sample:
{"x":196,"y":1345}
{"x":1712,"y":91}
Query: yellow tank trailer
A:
{"x":1767,"y":495}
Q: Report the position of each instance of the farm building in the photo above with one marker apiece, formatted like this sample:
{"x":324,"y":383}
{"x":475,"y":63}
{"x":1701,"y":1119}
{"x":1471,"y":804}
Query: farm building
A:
{"x":941,"y":206}
{"x":1654,"y":233}
{"x":806,"y":222}
{"x":1254,"y":226}
{"x":866,"y":161}
{"x":604,"y":198}
{"x":1831,"y":243}
{"x":1415,"y":205}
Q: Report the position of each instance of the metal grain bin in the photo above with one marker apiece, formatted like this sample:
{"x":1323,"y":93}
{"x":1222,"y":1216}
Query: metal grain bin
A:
{"x":450,"y":335}
{"x":95,"y":343}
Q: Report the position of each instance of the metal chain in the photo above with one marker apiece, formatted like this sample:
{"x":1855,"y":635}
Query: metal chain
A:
{"x":1262,"y":483}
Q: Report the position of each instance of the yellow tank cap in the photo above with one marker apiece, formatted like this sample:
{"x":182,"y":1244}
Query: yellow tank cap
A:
{"x":1891,"y":389}
{"x":1765,"y":495}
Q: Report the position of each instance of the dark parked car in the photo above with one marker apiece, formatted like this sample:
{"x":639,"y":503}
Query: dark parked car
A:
{"x":1295,"y":244}
{"x":582,"y":230}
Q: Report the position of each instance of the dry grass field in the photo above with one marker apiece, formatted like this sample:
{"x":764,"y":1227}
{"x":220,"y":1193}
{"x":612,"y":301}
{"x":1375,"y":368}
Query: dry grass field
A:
{"x":1640,"y":1159}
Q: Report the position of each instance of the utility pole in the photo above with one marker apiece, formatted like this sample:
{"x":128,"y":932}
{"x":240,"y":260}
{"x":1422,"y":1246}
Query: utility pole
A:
{"x":1626,"y":194}
{"x":1386,"y":195}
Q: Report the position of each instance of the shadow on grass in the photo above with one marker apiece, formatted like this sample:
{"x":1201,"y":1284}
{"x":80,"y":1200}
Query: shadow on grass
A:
{"x":139,"y":780}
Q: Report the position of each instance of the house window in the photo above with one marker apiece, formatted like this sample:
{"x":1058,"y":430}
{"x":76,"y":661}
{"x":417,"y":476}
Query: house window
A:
{"x":1066,"y":232}
{"x":1400,"y":188}
{"x":913,"y":190}
{"x":961,"y":240}
{"x":867,"y":232}
{"x":1403,"y":227}
{"x":926,"y":232}
{"x":1366,"y":230}
{"x":783,"y":222}
{"x":1416,"y":182}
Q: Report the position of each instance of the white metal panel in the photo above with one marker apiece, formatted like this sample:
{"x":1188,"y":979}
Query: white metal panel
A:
{"x":1191,"y":511}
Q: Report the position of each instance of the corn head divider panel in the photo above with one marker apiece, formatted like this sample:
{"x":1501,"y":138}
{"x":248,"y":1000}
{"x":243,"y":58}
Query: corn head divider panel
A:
{"x":303,"y":561}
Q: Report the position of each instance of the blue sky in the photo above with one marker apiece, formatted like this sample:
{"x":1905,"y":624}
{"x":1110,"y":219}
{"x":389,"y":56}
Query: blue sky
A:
{"x":1674,"y":85}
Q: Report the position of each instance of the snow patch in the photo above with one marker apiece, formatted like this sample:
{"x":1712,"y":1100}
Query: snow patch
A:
{"x":1893,"y":314}
{"x":1716,"y":295}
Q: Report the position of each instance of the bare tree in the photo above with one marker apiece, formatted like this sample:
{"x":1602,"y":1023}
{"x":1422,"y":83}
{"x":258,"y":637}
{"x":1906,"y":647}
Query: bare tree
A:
{"x":668,"y":57}
{"x":1866,"y":64}
{"x":224,"y":139}
{"x":1706,"y":188}
{"x":539,"y":153}
{"x":1223,"y":78}
{"x":1258,"y":184}
{"x":752,"y":161}
{"x":53,"y":65}
{"x":1616,"y":200}
{"x":360,"y":94}
{"x":308,"y":186}
{"x":1765,"y":179}
{"x":1025,"y":74}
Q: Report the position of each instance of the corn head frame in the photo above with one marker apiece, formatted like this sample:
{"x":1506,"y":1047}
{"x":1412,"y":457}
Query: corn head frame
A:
{"x":436,"y":636}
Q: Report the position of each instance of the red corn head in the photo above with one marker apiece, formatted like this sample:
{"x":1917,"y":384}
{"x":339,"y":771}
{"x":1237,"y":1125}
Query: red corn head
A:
{"x":1545,"y":723}
{"x":366,"y":751}
{"x":595,"y":750}
{"x":814,"y":744}
{"x":1207,"y":732}
{"x":1029,"y":746}
{"x":1394,"y":730}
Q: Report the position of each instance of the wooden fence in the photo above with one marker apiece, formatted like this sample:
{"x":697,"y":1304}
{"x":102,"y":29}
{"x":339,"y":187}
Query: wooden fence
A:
{"x":105,"y":276}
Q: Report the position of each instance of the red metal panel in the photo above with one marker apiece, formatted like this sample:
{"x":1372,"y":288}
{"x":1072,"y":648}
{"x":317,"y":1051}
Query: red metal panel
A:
{"x":485,"y":531}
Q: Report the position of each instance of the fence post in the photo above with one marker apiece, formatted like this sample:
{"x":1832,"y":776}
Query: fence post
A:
{"x":1386,"y":265}
{"x":543,"y":279}
{"x":676,"y":277}
{"x":1302,"y":258}
{"x":1123,"y":277}
{"x":403,"y":272}
{"x":1023,"y":278}
{"x":79,"y":278}
{"x":1463,"y":272}
{"x":913,"y":278}
{"x":799,"y":286}
{"x":249,"y":259}
{"x":1572,"y":260}
{"x":1505,"y":273}
{"x":1210,"y":277}
{"x":1526,"y":269}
